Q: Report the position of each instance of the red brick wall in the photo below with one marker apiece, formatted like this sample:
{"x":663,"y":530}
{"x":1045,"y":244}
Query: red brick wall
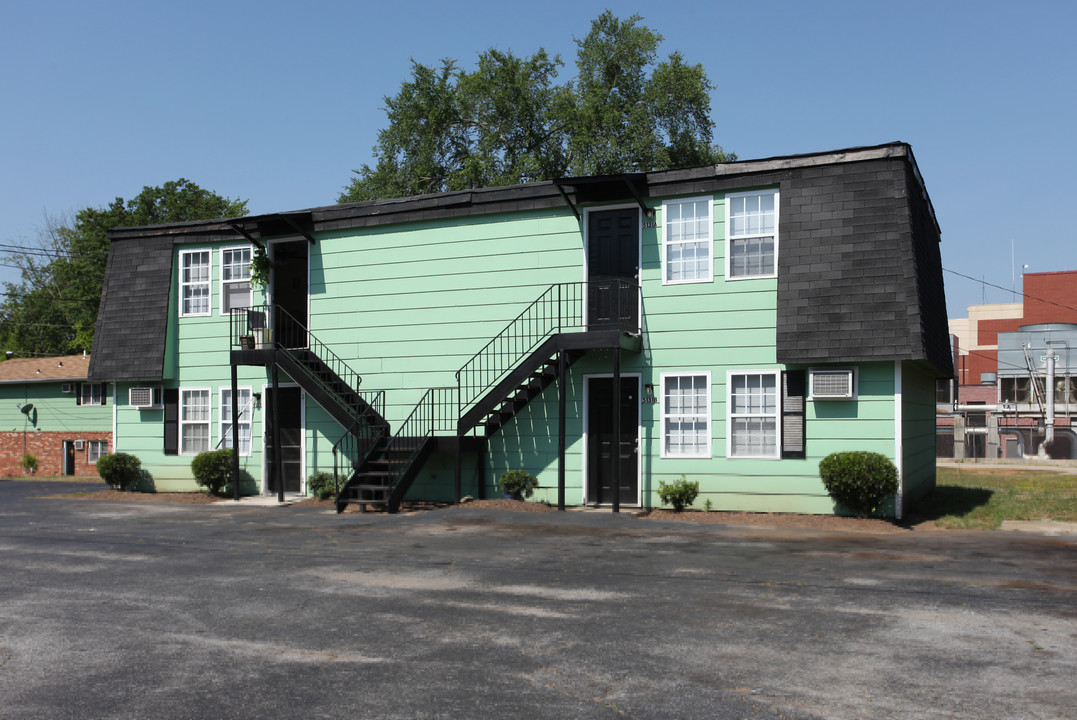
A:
{"x":1060,"y":288}
{"x":49,"y":449}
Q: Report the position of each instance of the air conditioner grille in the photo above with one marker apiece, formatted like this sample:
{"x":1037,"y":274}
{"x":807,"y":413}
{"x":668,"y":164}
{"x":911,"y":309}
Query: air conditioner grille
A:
{"x":833,"y":384}
{"x":144,"y":397}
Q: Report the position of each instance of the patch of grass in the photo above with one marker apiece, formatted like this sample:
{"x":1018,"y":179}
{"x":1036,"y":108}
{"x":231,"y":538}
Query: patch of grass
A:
{"x":977,"y":498}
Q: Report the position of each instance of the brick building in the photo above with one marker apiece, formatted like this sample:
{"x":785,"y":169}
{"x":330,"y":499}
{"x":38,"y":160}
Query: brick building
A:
{"x":49,"y":410}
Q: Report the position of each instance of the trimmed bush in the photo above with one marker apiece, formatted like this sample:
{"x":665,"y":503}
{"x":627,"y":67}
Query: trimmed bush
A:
{"x":321,"y":485}
{"x":29,"y":463}
{"x":120,"y":470}
{"x":678,"y":493}
{"x":213,"y":470}
{"x":858,"y":481}
{"x":518,"y":484}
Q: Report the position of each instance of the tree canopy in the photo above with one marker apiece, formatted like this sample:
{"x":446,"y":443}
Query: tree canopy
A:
{"x":53,"y":309}
{"x":508,"y":120}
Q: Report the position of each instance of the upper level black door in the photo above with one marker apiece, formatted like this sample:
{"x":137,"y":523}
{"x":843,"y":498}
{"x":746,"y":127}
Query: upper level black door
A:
{"x":613,"y":268}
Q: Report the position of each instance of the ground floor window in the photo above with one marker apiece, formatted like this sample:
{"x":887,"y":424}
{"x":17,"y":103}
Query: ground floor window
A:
{"x":194,"y":420}
{"x":686,"y":415}
{"x":752,"y":414}
{"x":244,"y":419}
{"x":95,"y":450}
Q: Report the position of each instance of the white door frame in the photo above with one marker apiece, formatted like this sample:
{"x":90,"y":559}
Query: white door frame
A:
{"x":266,"y":389}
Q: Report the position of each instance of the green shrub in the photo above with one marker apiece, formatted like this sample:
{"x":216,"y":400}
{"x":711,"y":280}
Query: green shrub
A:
{"x":120,"y":470}
{"x":321,"y":485}
{"x":678,"y":493}
{"x":518,"y":484}
{"x":858,"y":481}
{"x":213,"y":470}
{"x":29,"y":463}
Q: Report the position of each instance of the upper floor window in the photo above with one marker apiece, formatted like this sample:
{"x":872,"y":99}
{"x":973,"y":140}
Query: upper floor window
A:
{"x":90,"y":394}
{"x":194,"y":282}
{"x":235,"y":278}
{"x":752,"y":234}
{"x":688,"y":239}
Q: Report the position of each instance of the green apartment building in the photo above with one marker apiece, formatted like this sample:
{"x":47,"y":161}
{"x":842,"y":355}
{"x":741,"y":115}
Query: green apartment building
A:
{"x":733,"y":323}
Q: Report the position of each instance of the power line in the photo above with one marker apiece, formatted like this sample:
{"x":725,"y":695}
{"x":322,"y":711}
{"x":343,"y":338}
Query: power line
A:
{"x":1009,"y":290}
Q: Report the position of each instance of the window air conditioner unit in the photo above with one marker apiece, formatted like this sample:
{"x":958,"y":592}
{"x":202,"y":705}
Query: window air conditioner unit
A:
{"x":145,"y":398}
{"x":67,"y":388}
{"x":832,"y":384}
{"x":80,"y":444}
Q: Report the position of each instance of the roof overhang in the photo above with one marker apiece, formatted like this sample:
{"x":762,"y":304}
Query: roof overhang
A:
{"x":604,"y":188}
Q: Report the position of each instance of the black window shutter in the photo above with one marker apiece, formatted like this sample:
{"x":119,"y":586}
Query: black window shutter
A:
{"x":104,"y":397}
{"x":78,"y":394}
{"x":171,"y":397}
{"x":794,"y":391}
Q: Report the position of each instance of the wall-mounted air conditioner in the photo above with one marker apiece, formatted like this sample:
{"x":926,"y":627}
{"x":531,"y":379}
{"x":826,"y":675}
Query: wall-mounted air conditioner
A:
{"x":80,"y":444}
{"x":832,"y":384}
{"x":67,"y":388}
{"x":145,"y":398}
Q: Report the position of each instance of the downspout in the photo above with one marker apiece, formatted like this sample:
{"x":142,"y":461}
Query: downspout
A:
{"x":899,"y":449}
{"x":1049,"y":417}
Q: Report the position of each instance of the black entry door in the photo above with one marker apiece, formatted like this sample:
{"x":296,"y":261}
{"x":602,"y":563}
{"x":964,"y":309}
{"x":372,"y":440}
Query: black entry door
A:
{"x":69,"y":457}
{"x":613,"y":268}
{"x":291,"y":439}
{"x":290,"y":292}
{"x":600,"y":440}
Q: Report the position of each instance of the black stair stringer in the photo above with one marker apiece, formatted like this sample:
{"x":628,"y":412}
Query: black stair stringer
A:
{"x":513,"y":393}
{"x":342,"y":402}
{"x":384,"y":476}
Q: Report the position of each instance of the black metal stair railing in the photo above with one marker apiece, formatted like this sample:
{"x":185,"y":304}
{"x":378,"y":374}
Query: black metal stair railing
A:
{"x":559,"y":309}
{"x":356,"y":445}
{"x":270,"y":327}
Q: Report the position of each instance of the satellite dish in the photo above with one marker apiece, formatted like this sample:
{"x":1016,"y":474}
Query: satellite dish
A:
{"x":27,"y":408}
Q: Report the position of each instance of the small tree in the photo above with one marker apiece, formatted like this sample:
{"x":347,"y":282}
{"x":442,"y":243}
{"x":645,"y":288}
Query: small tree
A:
{"x":120,"y":470}
{"x":213,"y":470}
{"x":29,"y":463}
{"x":858,"y":481}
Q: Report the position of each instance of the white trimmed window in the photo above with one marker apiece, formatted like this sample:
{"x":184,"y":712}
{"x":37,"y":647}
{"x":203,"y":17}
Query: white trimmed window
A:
{"x":91,"y":394}
{"x":95,"y":450}
{"x":752,"y":414}
{"x":194,"y":282}
{"x":686,"y":415}
{"x":194,"y":420}
{"x":751,"y":235}
{"x":687,"y":241}
{"x":235,"y":278}
{"x":245,"y":411}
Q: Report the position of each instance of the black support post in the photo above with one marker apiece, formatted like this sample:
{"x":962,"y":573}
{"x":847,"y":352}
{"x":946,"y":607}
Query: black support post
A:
{"x":459,"y":470}
{"x":278,"y":461}
{"x":235,"y":433}
{"x":562,"y":393}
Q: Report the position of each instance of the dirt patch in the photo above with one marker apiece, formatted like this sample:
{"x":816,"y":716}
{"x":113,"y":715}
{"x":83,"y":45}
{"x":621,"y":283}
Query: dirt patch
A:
{"x":790,"y":520}
{"x":181,"y":498}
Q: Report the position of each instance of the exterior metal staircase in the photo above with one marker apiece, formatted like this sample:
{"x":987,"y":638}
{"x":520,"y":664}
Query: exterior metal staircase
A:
{"x":283,"y":341}
{"x":493,"y":386}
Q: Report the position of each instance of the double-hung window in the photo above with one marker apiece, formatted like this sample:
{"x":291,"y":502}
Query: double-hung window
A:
{"x":90,"y":394}
{"x":194,"y":420}
{"x":752,"y":414}
{"x":688,"y":239}
{"x":194,"y":282}
{"x":235,"y":278}
{"x":95,"y":450}
{"x":686,"y":415}
{"x":245,"y":409}
{"x":751,"y":235}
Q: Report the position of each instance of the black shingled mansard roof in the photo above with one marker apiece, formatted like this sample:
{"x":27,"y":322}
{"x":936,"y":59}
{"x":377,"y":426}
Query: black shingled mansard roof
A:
{"x":860,"y":275}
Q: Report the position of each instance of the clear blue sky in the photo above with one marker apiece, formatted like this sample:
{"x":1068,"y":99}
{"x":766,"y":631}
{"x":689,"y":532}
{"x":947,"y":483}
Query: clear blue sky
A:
{"x":277,"y":103}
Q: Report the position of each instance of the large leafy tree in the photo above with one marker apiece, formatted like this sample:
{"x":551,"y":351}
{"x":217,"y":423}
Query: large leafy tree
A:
{"x":508,"y":120}
{"x":53,"y":309}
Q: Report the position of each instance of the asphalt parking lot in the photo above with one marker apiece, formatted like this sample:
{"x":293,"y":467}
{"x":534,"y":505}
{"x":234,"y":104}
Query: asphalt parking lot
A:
{"x":116,"y":610}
